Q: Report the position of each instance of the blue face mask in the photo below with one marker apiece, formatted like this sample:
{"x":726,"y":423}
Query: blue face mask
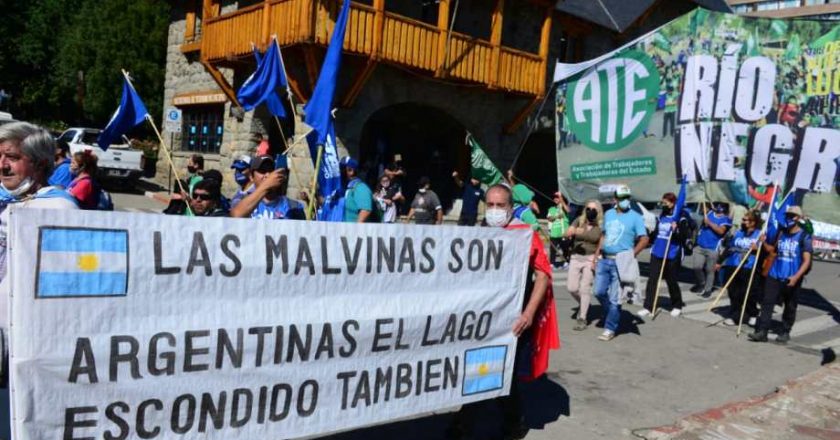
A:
{"x":240,"y":178}
{"x":624,"y":204}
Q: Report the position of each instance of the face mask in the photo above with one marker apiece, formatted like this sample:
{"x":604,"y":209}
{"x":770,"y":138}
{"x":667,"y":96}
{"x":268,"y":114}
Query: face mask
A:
{"x":240,"y":178}
{"x":789,"y":222}
{"x":624,"y":204}
{"x":191,"y":169}
{"x":422,"y":190}
{"x":22,"y":189}
{"x":497,"y":217}
{"x":591,"y":214}
{"x":667,"y":209}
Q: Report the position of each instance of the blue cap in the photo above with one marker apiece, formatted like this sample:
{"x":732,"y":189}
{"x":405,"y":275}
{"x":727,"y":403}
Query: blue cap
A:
{"x":349,"y":162}
{"x":241,"y":163}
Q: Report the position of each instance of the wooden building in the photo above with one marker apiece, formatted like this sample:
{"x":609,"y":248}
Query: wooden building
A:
{"x":416,"y":75}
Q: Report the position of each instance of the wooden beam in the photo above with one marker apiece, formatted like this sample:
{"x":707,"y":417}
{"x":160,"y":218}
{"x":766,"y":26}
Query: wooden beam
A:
{"x":294,"y":84}
{"x":189,"y":32}
{"x":359,"y":84}
{"x":312,"y":68}
{"x":496,"y":42}
{"x":378,"y":28}
{"x":520,"y":117}
{"x":545,"y":38}
{"x":222,"y":82}
{"x":265,"y":31}
{"x":443,"y":31}
{"x":209,"y":9}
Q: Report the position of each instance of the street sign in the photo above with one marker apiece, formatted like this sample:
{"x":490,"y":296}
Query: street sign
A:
{"x":172,"y":121}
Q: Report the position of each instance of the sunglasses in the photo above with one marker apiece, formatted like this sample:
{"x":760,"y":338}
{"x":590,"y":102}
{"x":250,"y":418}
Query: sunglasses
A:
{"x":202,"y":196}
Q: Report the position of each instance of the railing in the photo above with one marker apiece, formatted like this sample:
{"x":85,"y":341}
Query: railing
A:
{"x":404,"y":41}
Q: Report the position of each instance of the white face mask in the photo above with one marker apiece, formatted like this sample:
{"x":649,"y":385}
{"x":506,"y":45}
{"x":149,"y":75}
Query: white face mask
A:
{"x":22,"y":189}
{"x":422,"y":190}
{"x":497,"y":217}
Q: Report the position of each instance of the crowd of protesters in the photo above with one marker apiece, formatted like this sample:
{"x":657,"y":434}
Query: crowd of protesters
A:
{"x":598,"y":248}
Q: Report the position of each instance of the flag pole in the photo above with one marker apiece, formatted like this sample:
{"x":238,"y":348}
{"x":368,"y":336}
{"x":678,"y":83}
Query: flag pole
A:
{"x":315,"y":181}
{"x":757,"y":256}
{"x":661,"y":272}
{"x":728,"y":282}
{"x":283,"y":65}
{"x":166,"y":150}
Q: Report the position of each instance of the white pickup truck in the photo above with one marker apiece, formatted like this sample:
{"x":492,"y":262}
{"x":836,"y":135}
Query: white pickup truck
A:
{"x":118,"y":162}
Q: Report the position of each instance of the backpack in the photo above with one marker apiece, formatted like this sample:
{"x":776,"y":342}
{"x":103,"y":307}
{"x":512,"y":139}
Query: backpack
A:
{"x":104,"y":201}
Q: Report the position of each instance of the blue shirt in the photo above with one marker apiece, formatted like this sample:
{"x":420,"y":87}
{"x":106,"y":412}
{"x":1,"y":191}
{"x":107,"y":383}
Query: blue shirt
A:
{"x":470,"y":198}
{"x":241,"y":194}
{"x":61,"y":175}
{"x":789,"y":250}
{"x":709,"y":239}
{"x":621,"y":230}
{"x":280,"y":209}
{"x":738,"y":245}
{"x":662,"y":234}
{"x":358,"y":197}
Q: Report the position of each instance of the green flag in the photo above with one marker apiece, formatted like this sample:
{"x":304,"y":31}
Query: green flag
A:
{"x":794,"y":49}
{"x":779,"y":28}
{"x":832,"y":35}
{"x":482,"y":167}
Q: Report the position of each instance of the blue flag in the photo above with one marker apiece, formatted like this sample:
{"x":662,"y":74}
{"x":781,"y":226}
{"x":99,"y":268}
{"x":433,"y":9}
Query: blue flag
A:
{"x":273,"y":102}
{"x":262,"y":85}
{"x":319,"y":117}
{"x":129,"y":114}
{"x":776,"y":218}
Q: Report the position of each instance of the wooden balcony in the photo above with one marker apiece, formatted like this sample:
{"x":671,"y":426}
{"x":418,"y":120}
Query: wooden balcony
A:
{"x":380,"y":36}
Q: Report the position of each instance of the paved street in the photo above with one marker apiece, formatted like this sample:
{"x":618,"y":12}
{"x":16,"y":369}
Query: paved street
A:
{"x":653,"y":373}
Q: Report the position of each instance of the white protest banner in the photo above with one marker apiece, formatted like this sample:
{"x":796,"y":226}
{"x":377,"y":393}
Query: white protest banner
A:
{"x":143,"y":326}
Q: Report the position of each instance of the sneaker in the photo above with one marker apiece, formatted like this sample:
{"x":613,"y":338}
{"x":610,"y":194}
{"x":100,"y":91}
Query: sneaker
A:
{"x":606,"y":336}
{"x":729,"y":322}
{"x":676,"y":312}
{"x":751,"y":322}
{"x":581,"y":325}
{"x":697,"y":289}
{"x":783,"y":338}
{"x":758,"y":336}
{"x":565,"y":266}
{"x":643,"y":313}
{"x":707,"y":293}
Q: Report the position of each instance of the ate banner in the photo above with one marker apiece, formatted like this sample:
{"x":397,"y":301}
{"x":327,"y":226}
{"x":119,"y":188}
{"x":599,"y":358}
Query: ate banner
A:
{"x":734,"y":103}
{"x":158,"y":327}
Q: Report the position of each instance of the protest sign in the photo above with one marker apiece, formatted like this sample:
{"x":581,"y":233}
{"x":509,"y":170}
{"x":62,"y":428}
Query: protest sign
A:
{"x":142,"y":326}
{"x":735,"y":103}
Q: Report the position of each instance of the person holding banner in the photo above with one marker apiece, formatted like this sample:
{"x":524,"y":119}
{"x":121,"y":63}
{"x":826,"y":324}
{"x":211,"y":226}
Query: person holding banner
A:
{"x":793,"y":248}
{"x":744,"y":241}
{"x":536,"y":327}
{"x":268,"y":201}
{"x":625,"y":237}
{"x":666,"y":255}
{"x":716,"y":223}
{"x":26,"y":162}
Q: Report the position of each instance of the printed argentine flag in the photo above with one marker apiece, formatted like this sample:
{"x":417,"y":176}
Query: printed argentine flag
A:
{"x":484,"y":369}
{"x":76,"y":262}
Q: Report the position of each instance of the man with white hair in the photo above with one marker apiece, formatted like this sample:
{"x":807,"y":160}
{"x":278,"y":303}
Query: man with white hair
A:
{"x":27,"y":158}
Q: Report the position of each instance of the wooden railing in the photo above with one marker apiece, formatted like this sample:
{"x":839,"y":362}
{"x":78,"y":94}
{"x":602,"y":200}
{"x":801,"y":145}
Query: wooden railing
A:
{"x":405,"y":42}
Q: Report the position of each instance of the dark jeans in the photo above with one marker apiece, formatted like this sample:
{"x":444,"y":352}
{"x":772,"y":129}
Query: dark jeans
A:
{"x":467,"y":219}
{"x":668,"y":119}
{"x":737,"y":291}
{"x":774,"y":289}
{"x":672,"y":267}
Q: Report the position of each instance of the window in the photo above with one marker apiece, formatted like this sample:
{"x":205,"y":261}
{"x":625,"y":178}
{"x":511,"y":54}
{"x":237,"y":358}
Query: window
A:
{"x":203,"y":128}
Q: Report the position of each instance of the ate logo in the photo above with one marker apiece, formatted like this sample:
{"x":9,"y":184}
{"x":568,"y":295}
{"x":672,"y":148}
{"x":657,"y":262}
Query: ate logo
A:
{"x":612,"y":103}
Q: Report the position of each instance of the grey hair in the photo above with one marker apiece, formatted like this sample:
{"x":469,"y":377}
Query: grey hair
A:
{"x":503,"y":188}
{"x":34,"y":141}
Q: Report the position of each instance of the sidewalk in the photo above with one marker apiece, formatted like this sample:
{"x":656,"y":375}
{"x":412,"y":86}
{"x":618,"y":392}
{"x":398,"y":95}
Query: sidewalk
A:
{"x":803,"y":408}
